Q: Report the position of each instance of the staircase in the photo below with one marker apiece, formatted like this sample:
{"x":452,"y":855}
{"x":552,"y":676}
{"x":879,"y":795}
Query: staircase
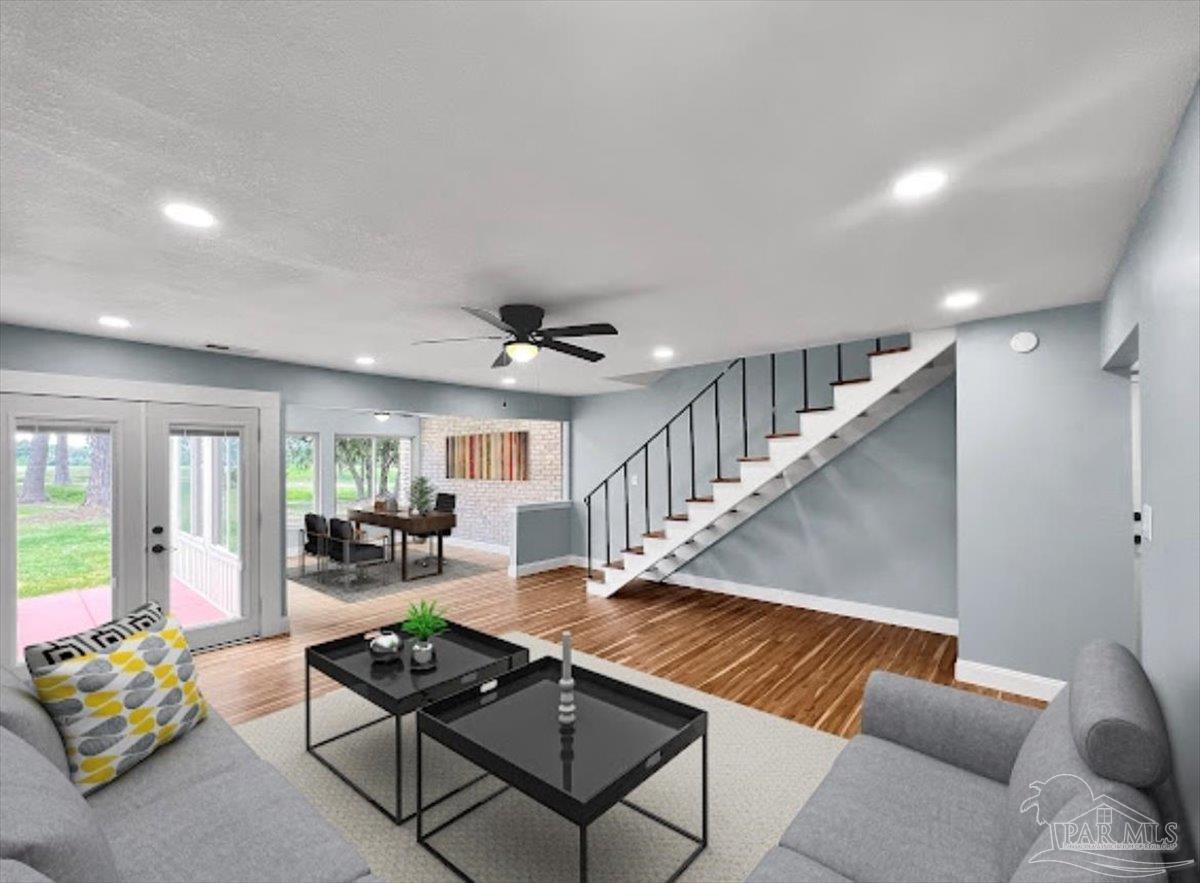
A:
{"x":898,"y":375}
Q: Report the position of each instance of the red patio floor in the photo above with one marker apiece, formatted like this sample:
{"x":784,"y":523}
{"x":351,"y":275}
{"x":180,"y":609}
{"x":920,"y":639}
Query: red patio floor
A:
{"x":64,"y":613}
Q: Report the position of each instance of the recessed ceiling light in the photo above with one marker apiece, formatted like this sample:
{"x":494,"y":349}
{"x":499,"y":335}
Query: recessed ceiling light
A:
{"x":365,"y":361}
{"x":662,"y":353}
{"x":114,"y":322}
{"x":191,"y":215}
{"x":508,"y":381}
{"x":383,"y":416}
{"x":919,"y":183}
{"x":961,"y":300}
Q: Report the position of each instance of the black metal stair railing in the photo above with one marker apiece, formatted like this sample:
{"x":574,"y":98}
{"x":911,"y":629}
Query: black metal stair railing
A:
{"x":689,"y":409}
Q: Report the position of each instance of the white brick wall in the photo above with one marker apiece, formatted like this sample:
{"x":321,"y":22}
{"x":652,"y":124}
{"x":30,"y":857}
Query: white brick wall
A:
{"x":484,"y":508}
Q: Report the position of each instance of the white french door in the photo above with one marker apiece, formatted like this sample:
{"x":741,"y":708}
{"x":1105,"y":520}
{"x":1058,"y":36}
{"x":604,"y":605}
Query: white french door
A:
{"x":72,"y":516}
{"x":202,"y":509}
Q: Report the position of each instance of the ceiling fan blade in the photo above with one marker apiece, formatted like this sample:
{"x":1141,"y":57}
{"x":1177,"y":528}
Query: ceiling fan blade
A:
{"x":595,"y":328}
{"x":494,"y":321}
{"x":457,"y":339}
{"x":503,"y":360}
{"x":571,"y":350}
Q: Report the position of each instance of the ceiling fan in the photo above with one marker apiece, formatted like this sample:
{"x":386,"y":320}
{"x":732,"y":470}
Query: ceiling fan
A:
{"x":524,"y":337}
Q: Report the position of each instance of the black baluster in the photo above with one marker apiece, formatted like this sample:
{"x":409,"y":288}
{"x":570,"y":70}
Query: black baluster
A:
{"x":646,"y":482}
{"x":773,"y":427}
{"x":878,"y":344}
{"x":745,"y":422}
{"x":607,"y":526}
{"x":839,"y":355}
{"x":625,"y":471}
{"x":692,"y":446}
{"x":804,"y":361}
{"x":717,"y":421}
{"x":588,"y":500}
{"x":670,"y":486}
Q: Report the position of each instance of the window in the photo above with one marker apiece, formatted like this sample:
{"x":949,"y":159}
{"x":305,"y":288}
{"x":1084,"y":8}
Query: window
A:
{"x":302,"y":478}
{"x":367,"y":466}
{"x":226,"y":491}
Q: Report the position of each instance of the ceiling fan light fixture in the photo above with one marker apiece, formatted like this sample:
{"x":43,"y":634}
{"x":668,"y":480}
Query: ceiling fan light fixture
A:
{"x":521,"y":351}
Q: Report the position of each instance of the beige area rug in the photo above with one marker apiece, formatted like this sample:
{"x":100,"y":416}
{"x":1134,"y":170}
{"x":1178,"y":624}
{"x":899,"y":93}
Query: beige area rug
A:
{"x":761,"y":770}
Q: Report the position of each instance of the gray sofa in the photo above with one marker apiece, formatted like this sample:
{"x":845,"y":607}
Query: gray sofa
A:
{"x":204,"y":808}
{"x":938,"y":785}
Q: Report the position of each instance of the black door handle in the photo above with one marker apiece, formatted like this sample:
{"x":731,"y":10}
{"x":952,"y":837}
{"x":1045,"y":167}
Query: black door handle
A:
{"x":158,"y":548}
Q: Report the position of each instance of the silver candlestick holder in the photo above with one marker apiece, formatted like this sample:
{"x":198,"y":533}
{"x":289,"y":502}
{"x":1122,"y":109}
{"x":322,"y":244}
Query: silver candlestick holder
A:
{"x":566,"y":685}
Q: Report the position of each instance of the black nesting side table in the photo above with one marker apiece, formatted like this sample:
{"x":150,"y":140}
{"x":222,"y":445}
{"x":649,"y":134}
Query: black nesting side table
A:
{"x":509,"y":728}
{"x":465,"y":657}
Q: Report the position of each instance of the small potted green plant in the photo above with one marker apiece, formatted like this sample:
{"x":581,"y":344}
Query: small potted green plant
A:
{"x":420,"y":494}
{"x":423,"y":621}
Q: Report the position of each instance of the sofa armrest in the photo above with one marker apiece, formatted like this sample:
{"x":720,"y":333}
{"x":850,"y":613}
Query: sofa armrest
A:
{"x":964,"y":729}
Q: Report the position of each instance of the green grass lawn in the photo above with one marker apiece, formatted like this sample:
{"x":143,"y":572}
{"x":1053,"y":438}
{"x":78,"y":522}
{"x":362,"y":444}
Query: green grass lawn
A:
{"x":60,"y":545}
{"x":53,"y":556}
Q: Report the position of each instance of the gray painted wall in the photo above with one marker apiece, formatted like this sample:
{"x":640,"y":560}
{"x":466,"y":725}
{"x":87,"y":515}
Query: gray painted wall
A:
{"x":541,"y":531}
{"x":1045,"y":555}
{"x":33,"y":349}
{"x":876,"y":525}
{"x":1158,"y":283}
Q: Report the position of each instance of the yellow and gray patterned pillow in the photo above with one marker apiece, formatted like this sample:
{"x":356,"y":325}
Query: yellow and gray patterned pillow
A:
{"x":117,"y":692}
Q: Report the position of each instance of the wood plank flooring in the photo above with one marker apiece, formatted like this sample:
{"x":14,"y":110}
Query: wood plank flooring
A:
{"x":800,"y":664}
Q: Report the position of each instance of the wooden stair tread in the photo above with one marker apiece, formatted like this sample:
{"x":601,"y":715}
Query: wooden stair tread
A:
{"x":784,"y":435}
{"x":616,"y":565}
{"x":889,"y":351}
{"x":635,"y":550}
{"x":677,"y":518}
{"x":755,"y":459}
{"x":849,"y":382}
{"x":815,"y":409}
{"x":655,"y":535}
{"x":726,"y":481}
{"x":699,"y":500}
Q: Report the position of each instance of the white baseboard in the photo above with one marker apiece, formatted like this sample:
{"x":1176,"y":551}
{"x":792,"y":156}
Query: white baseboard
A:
{"x":1009,"y":680}
{"x":929,"y":622}
{"x":532,"y":567}
{"x":478,"y":545}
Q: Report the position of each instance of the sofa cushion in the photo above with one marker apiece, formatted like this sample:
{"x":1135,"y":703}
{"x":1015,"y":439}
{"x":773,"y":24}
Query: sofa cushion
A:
{"x":1115,"y":717}
{"x":246,"y":824}
{"x":1043,"y":863}
{"x":211,"y":748}
{"x":22,"y":713}
{"x":116,"y":706}
{"x":886,"y":812}
{"x":44,"y":822}
{"x":19,"y":872}
{"x":1048,"y":773}
{"x":783,"y":865}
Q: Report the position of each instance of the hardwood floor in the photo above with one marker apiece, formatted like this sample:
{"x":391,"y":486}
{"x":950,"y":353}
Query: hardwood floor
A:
{"x":800,"y":664}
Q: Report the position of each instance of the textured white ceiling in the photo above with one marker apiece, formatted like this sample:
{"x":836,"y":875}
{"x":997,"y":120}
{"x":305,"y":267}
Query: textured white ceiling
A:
{"x":710,"y":176}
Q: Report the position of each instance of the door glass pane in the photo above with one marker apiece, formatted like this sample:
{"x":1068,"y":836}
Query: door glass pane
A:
{"x":353,"y":463}
{"x":205,"y":536}
{"x":64,"y":531}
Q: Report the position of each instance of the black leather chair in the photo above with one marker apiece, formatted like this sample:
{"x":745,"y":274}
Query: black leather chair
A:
{"x":442,"y":503}
{"x":350,"y":552}
{"x":314,"y":540}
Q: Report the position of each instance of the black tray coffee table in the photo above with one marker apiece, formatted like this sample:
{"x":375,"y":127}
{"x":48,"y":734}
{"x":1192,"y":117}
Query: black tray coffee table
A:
{"x":621,"y":736}
{"x":465,"y":657}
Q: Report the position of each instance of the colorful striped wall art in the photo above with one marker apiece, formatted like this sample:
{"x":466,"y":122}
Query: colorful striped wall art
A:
{"x":488,"y":456}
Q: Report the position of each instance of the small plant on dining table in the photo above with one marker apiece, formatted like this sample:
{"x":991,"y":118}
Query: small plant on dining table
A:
{"x":423,"y":621}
